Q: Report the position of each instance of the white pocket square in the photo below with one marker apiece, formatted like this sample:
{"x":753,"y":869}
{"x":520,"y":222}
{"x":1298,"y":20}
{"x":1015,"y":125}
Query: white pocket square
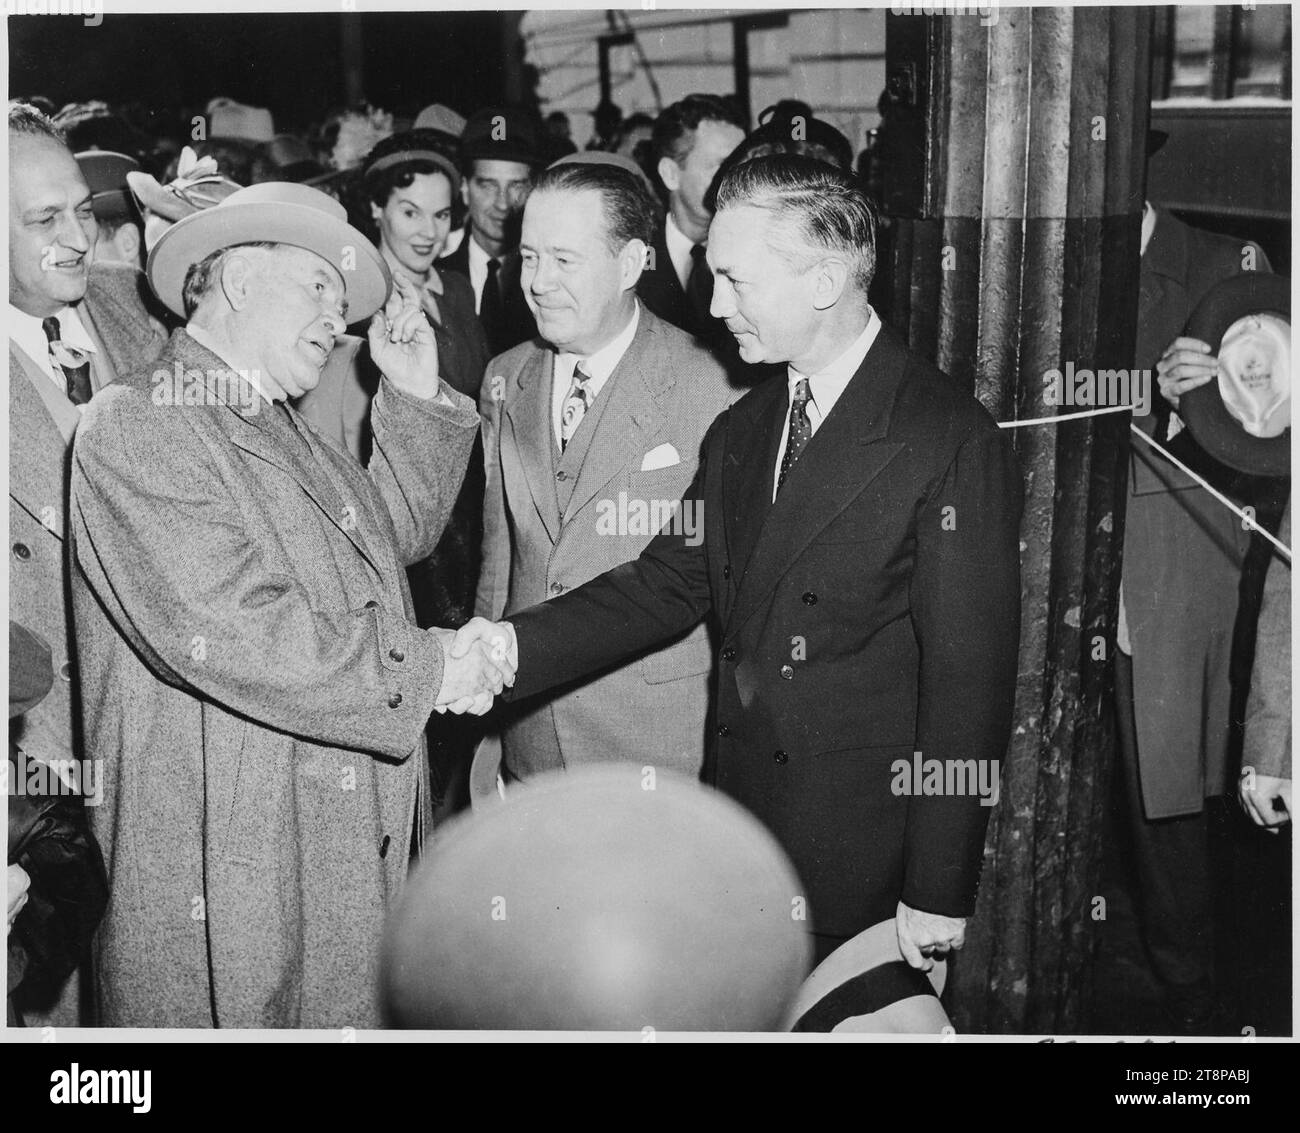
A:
{"x":665,"y":456}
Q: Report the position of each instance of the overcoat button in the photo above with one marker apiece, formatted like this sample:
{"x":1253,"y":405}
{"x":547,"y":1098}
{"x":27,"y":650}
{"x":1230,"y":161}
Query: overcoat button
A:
{"x":383,"y":846}
{"x":22,"y":551}
{"x":726,"y":570}
{"x":397,"y":655}
{"x":561,"y":475}
{"x":810,"y":599}
{"x":729,"y":654}
{"x":372,"y":605}
{"x":723,"y":730}
{"x":787,"y":671}
{"x":65,"y":671}
{"x":557,"y":587}
{"x":780,"y":756}
{"x":395,"y":700}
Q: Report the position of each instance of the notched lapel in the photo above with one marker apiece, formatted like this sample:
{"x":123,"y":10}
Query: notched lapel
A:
{"x":527,"y":421}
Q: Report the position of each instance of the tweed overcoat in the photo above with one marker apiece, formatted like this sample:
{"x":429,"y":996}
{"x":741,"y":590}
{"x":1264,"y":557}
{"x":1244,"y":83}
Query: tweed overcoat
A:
{"x":256,"y":686}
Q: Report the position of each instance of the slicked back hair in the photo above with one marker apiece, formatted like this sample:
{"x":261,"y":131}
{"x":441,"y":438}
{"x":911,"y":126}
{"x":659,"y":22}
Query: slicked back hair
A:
{"x":630,"y":211}
{"x":817,"y":205}
{"x":674,"y":132}
{"x":27,"y":120}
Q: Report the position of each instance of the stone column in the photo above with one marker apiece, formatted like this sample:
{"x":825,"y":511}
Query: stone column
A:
{"x":1014,"y":169}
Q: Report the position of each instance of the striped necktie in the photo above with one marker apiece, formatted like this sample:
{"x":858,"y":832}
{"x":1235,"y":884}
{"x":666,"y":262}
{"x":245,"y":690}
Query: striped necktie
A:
{"x":575,"y":407}
{"x":74,"y":363}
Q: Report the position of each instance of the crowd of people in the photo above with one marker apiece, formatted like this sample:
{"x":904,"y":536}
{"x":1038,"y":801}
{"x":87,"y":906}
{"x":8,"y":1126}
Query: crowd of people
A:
{"x":359,"y":471}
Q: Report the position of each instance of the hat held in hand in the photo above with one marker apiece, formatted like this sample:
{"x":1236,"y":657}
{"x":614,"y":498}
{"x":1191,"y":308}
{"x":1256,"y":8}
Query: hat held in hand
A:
{"x":1243,"y":417}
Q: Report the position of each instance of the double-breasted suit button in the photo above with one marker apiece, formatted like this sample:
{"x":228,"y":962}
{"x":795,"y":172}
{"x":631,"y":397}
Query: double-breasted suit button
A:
{"x":372,"y":605}
{"x":397,"y":655}
{"x":383,"y":846}
{"x":22,"y":551}
{"x":810,"y":599}
{"x":726,"y":570}
{"x":729,"y":654}
{"x":787,"y":671}
{"x":780,"y":756}
{"x":723,"y":730}
{"x":395,"y":700}
{"x":557,"y":587}
{"x":561,"y":475}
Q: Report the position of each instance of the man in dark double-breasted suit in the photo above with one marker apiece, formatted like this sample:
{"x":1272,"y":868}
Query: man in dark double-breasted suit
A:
{"x":860,"y":559}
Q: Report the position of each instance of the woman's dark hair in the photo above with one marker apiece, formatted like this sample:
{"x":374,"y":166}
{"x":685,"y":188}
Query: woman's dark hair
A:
{"x":380,"y":184}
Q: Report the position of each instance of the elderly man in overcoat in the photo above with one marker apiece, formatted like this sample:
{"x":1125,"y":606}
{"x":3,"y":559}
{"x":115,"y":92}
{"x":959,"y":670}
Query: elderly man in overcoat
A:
{"x":254,"y":678}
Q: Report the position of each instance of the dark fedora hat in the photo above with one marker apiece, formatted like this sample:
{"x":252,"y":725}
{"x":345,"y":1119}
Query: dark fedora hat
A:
{"x":1243,"y":417}
{"x":499,"y":134}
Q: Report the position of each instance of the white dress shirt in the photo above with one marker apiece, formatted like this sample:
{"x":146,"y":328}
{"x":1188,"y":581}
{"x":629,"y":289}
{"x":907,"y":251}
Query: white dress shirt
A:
{"x":825,"y":387}
{"x":478,"y":270}
{"x":679,"y":250}
{"x":26,"y":333}
{"x":599,"y":365}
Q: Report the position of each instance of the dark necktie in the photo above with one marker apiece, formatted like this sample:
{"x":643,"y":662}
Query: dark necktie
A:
{"x":73,"y":362}
{"x":491,"y":309}
{"x":699,"y":291}
{"x":800,"y":430}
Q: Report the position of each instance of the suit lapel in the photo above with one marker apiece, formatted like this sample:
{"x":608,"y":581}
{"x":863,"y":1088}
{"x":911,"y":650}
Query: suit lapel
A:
{"x":38,"y":444}
{"x":630,"y":416}
{"x":527,"y":426}
{"x":849,"y":450}
{"x":753,"y":437}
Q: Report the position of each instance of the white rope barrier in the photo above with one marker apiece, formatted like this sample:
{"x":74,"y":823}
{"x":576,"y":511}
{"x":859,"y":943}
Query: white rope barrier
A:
{"x":1248,"y":520}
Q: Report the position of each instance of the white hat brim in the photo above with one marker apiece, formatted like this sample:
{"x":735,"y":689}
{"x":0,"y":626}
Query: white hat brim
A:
{"x":366,"y":277}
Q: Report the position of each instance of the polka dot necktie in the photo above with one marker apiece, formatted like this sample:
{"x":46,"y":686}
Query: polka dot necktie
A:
{"x":800,"y":430}
{"x":576,"y":405}
{"x":74,"y":363}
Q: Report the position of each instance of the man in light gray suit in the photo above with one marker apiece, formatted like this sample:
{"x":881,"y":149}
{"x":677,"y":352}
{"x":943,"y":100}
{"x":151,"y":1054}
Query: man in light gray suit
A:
{"x":591,"y":437}
{"x":72,"y":327}
{"x":252,"y":672}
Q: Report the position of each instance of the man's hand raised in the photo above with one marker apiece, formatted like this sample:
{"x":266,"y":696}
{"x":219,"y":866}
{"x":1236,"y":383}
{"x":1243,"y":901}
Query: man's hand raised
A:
{"x":471,"y":675}
{"x":402,"y":343}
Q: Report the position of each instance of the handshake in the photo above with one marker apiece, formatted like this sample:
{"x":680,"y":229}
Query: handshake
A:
{"x":478,"y":661}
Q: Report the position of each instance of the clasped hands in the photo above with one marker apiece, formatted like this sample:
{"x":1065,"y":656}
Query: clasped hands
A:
{"x":478,"y":661}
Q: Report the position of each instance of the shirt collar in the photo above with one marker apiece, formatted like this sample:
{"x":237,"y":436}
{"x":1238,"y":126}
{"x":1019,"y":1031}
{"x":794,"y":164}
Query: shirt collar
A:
{"x":831,"y":379}
{"x":478,"y":258}
{"x":205,"y":338}
{"x":1148,"y":225}
{"x":601,"y":364}
{"x":28,"y":331}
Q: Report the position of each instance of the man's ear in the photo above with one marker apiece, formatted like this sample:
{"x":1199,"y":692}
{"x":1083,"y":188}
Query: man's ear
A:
{"x":670,"y":173}
{"x":236,"y":279}
{"x":128,"y":240}
{"x":829,"y":282}
{"x":632,"y":262}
